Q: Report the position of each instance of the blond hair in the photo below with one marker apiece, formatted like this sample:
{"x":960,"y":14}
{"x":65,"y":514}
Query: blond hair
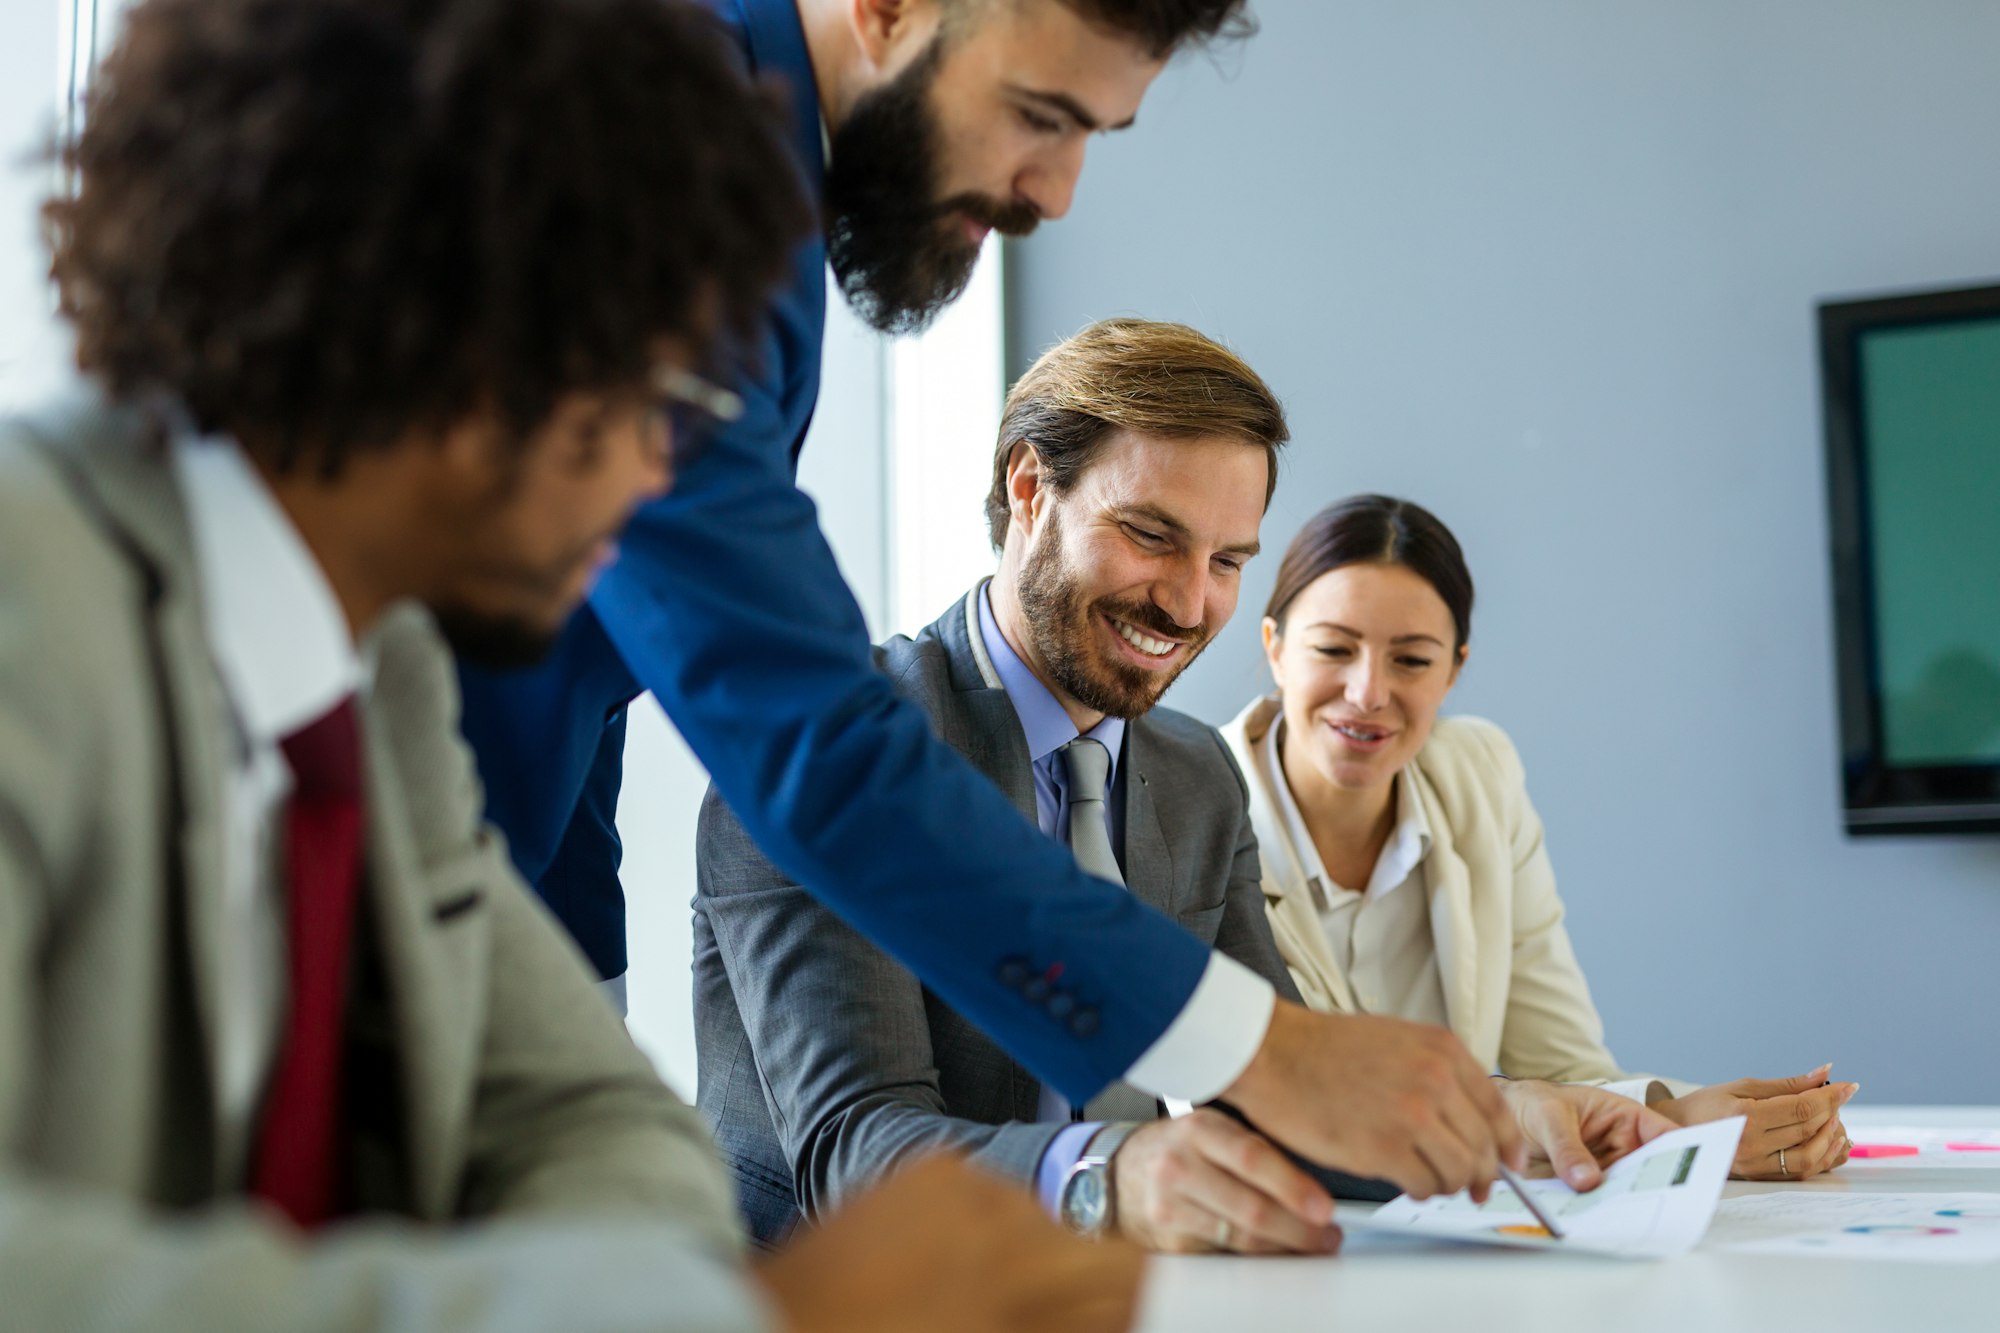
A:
{"x":1140,"y":375}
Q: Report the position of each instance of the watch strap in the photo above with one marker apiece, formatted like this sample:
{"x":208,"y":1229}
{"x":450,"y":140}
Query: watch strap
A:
{"x":1096,"y":1157}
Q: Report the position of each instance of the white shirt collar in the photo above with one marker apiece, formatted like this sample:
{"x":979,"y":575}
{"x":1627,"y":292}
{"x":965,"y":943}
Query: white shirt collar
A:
{"x":1408,"y":844}
{"x":281,"y":641}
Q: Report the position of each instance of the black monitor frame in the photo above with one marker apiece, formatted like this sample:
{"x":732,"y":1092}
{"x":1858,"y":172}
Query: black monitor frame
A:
{"x":1880,"y":797}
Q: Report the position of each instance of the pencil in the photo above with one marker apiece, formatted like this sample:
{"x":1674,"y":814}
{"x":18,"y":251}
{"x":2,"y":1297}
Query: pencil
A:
{"x":1514,"y":1183}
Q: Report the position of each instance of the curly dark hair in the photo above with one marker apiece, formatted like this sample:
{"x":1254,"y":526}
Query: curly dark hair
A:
{"x":321,"y":224}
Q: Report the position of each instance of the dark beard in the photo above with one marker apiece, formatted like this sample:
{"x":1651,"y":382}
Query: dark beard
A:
{"x":1061,"y":626}
{"x":899,"y":255}
{"x":497,"y":643}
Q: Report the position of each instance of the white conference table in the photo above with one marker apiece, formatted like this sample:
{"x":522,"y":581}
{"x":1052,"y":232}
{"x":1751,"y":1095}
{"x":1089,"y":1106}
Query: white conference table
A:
{"x":1400,"y":1285}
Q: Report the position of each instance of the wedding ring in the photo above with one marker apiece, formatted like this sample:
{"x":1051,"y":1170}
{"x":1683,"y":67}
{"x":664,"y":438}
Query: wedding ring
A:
{"x":1223,"y":1231}
{"x":1783,"y":1170}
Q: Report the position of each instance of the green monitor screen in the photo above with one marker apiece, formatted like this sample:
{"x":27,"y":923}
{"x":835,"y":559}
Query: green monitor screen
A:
{"x":1913,"y":425}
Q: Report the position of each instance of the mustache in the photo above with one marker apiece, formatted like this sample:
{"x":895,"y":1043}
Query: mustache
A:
{"x":1009,"y":219}
{"x":1145,"y":616}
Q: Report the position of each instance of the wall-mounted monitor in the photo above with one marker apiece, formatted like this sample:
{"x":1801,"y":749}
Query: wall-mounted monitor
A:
{"x":1912,"y":386}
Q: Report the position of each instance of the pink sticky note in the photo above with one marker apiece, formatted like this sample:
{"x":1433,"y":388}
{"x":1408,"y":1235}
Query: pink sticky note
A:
{"x":1882,"y":1150}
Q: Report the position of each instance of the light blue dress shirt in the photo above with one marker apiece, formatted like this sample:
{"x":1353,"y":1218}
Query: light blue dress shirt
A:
{"x":1048,"y":728}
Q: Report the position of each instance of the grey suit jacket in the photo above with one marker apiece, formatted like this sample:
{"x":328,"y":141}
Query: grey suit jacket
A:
{"x":822,"y":1062}
{"x":489,"y":1079}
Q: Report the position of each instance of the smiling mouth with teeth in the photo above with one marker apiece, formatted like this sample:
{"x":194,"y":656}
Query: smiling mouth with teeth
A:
{"x":1366,"y":735}
{"x":1144,"y":642}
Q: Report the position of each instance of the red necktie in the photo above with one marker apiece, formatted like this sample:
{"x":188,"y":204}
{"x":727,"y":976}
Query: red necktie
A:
{"x":296,"y":1163}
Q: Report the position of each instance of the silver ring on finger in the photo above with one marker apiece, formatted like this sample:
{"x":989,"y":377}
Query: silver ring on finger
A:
{"x":1783,"y":1170}
{"x":1223,"y":1233}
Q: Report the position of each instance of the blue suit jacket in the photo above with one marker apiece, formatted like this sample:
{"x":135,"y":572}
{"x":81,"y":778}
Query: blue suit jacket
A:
{"x":727,"y":605}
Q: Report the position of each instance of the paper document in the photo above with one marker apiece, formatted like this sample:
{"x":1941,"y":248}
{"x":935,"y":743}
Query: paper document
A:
{"x":1894,"y":1146}
{"x":1921,"y":1228}
{"x":1654,"y":1203}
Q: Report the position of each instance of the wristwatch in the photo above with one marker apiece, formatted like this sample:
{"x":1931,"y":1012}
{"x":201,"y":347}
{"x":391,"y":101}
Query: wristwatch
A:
{"x":1087,"y":1205}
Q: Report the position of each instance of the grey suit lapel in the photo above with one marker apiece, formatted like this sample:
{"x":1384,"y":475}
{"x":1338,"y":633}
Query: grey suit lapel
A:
{"x":1149,"y":862}
{"x":978,"y":719}
{"x":116,"y":459}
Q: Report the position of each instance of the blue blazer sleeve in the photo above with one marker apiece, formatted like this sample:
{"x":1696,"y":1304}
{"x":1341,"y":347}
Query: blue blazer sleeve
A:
{"x":727,"y":604}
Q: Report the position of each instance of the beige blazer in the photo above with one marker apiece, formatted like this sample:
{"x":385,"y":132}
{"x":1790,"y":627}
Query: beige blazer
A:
{"x":1513,"y":990}
{"x":490,"y":1080}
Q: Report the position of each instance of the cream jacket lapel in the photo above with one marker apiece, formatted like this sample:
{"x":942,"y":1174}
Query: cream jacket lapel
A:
{"x":1287,"y":896}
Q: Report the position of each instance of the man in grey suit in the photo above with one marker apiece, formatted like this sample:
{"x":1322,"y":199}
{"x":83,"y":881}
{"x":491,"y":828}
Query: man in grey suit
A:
{"x":284,"y":1041}
{"x":1134,"y":467}
{"x":1131,"y":475}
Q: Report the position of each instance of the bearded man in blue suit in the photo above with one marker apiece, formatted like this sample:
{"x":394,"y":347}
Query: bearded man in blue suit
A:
{"x":922,"y":125}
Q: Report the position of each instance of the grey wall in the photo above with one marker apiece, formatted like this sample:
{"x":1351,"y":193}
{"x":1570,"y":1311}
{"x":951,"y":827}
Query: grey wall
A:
{"x":1549,"y":266}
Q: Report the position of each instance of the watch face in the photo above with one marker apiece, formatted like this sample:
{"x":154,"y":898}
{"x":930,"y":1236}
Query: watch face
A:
{"x":1083,"y":1201}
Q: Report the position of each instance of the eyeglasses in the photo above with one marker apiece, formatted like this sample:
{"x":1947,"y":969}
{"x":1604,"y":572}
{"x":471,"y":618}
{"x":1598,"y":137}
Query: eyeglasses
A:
{"x":683,"y":388}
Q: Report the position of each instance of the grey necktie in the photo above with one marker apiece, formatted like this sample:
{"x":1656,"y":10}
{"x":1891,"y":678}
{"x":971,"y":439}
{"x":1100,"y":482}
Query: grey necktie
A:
{"x":1087,"y":770}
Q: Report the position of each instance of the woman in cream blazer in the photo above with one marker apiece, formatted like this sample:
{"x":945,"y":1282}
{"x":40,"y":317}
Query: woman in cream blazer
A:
{"x":1404,"y":868}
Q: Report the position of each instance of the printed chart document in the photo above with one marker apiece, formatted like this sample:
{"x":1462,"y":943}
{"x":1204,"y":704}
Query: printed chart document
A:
{"x":1891,"y":1146}
{"x":1654,"y":1203}
{"x":1922,"y":1228}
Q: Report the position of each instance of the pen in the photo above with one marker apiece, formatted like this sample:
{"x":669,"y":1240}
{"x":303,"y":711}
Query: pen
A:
{"x":1514,"y":1183}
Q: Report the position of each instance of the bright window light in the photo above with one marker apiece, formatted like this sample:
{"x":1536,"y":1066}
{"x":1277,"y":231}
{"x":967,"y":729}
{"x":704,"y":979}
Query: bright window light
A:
{"x":945,"y":389}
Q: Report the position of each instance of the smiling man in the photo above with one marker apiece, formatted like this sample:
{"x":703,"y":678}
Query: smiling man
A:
{"x":922,"y":123}
{"x":1132,"y":471}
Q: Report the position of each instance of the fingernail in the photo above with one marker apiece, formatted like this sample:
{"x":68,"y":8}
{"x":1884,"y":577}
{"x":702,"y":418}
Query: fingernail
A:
{"x":1852,"y":1089}
{"x":1577,"y":1176}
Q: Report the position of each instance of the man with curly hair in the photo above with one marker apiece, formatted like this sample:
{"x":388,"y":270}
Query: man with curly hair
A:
{"x":380,"y":302}
{"x":923,"y":125}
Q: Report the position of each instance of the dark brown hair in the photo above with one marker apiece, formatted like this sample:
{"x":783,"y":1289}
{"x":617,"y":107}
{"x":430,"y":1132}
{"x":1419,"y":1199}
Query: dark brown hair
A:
{"x":1129,"y":374}
{"x":1161,"y":26}
{"x":1377,"y":530}
{"x":321,"y":224}
{"x":1164,"y":25}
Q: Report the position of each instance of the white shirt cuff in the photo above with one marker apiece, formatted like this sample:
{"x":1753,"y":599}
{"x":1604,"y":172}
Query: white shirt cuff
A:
{"x":1214,"y":1037}
{"x":1638,"y":1089}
